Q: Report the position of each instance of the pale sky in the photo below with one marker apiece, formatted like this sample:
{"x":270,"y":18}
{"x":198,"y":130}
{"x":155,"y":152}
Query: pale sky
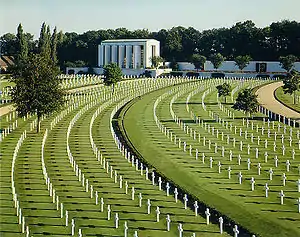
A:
{"x":83,"y":15}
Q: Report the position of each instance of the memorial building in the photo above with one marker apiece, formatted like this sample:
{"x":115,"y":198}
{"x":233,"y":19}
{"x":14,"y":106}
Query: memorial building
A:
{"x":128,"y":53}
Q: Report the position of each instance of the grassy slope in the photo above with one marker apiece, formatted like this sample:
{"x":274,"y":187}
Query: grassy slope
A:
{"x":287,"y":99}
{"x":158,"y":151}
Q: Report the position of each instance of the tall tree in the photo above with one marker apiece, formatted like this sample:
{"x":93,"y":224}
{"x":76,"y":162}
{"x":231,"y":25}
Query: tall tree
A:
{"x":112,"y":75}
{"x":217,"y":59}
{"x":242,"y":61}
{"x":246,"y":101}
{"x":44,"y":44}
{"x":198,"y":61}
{"x":42,"y":38}
{"x":54,"y":46}
{"x":292,"y":84}
{"x":37,"y":90}
{"x":22,"y":44}
{"x":224,"y":90}
{"x":287,"y":62}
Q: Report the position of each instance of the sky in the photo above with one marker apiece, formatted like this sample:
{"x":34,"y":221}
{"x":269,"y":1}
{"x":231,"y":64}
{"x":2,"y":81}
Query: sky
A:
{"x":83,"y":15}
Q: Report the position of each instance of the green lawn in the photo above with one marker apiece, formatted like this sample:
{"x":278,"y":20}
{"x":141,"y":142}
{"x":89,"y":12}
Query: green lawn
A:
{"x":288,"y":99}
{"x":265,"y":217}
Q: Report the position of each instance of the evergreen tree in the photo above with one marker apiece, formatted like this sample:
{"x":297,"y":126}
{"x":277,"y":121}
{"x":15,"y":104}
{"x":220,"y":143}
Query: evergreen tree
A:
{"x":292,"y":84}
{"x":42,"y":39}
{"x":22,"y":44}
{"x":54,"y":46}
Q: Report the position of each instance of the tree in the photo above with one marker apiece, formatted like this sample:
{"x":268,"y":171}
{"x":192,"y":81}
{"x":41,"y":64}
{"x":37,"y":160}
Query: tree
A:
{"x":246,"y":101}
{"x":156,"y":60}
{"x":37,"y":89}
{"x":242,"y":61}
{"x":44,"y":44}
{"x":8,"y":44}
{"x":292,"y":84}
{"x":174,"y":65}
{"x":22,"y":44}
{"x":54,"y":42}
{"x":217,"y":59}
{"x":198,"y":61}
{"x":287,"y":62}
{"x":112,"y":75}
{"x":224,"y":90}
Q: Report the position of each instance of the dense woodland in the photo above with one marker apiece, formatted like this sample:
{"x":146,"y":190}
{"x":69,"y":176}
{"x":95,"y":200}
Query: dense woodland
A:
{"x":178,"y":43}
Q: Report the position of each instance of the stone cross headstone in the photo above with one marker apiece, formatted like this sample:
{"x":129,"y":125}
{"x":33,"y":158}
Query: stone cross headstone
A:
{"x":79,"y":233}
{"x":281,"y":195}
{"x":221,"y":224}
{"x":283,"y":179}
{"x":248,"y":163}
{"x":168,"y":188}
{"x":73,"y":227}
{"x":101,"y":204}
{"x":132,"y":193}
{"x":185,"y":199}
{"x":196,"y":208}
{"x":148,"y":206}
{"x":240,"y":176}
{"x":125,"y":229}
{"x":168,"y":220}
{"x":108,"y":212}
{"x":271,"y":174}
{"x":180,"y":229}
{"x":210,"y":162}
{"x":236,"y":231}
{"x":176,"y":194}
{"x":288,"y":164}
{"x":207,"y":213}
{"x":252,"y":181}
{"x":159,"y":183}
{"x":157,"y":214}
{"x":126,"y":187}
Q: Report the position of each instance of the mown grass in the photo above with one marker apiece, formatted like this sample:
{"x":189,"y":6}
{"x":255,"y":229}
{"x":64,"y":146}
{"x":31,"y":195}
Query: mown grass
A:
{"x":287,"y":99}
{"x":251,"y":209}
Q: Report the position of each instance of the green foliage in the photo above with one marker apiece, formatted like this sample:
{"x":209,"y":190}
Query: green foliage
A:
{"x":44,"y":44}
{"x":224,"y":90}
{"x":112,"y":75}
{"x":54,"y":46}
{"x":287,"y":62}
{"x":22,"y":45}
{"x":198,"y":61}
{"x":174,"y":65}
{"x":156,"y":60}
{"x":242,"y":61}
{"x":36,"y":88}
{"x":246,"y":101}
{"x":291,"y":83}
{"x":217,"y":59}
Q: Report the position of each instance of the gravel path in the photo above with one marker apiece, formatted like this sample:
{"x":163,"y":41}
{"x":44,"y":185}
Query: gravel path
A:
{"x":266,"y":98}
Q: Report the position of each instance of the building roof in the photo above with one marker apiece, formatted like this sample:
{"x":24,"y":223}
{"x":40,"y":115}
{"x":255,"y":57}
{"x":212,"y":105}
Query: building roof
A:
{"x":127,"y":40}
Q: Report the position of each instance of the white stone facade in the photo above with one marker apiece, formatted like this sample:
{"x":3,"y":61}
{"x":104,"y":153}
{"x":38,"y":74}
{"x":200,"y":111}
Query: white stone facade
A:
{"x":128,"y":53}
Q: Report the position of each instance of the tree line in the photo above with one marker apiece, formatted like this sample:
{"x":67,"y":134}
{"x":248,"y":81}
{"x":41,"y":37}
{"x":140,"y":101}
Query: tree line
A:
{"x":178,"y":43}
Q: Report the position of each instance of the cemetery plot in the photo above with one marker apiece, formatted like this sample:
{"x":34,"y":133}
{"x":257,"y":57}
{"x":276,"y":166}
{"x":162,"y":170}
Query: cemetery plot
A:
{"x":245,"y":202}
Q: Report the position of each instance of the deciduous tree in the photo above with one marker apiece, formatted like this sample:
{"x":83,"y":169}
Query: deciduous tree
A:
{"x":242,"y":61}
{"x":246,"y":101}
{"x":112,"y":75}
{"x":292,"y":84}
{"x":287,"y":62}
{"x":217,"y":59}
{"x":36,"y":90}
{"x":224,"y":90}
{"x":198,"y":61}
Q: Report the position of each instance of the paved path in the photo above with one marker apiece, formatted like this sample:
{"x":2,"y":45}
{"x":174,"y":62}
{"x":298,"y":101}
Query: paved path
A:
{"x":266,"y":99}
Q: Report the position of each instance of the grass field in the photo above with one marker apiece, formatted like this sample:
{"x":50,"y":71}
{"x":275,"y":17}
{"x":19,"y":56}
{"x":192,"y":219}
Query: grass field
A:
{"x":84,"y":129}
{"x":251,"y":209}
{"x":288,"y":99}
